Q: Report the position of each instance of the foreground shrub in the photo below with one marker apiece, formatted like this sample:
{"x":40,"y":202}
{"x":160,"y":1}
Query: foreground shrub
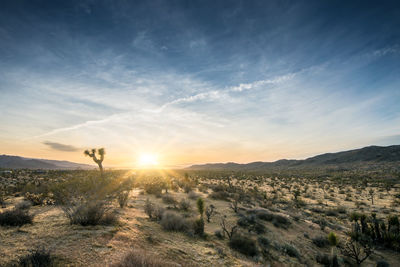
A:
{"x":172,"y":221}
{"x":15,"y":217}
{"x":90,"y":213}
{"x":37,"y":258}
{"x":243,"y":244}
{"x":140,"y":258}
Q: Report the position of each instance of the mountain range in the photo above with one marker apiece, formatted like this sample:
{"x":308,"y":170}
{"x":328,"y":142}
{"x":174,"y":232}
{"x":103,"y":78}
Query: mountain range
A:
{"x":366,"y":155}
{"x":16,"y":162}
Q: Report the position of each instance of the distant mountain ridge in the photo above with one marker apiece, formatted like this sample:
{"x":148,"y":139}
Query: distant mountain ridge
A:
{"x":16,"y":162}
{"x":374,"y":154}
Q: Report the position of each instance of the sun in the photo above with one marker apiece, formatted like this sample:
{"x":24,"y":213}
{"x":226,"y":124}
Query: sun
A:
{"x":148,"y":160}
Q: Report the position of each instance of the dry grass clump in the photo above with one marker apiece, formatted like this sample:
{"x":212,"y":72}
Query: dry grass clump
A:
{"x":90,"y":213}
{"x":140,"y":258}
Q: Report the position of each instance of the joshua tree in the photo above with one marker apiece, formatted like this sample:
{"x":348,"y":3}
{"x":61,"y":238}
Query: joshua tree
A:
{"x":371,"y":193}
{"x":234,"y":205}
{"x":333,"y":241}
{"x":199,"y":223}
{"x":359,"y":252}
{"x":200,"y":206}
{"x":99,"y":161}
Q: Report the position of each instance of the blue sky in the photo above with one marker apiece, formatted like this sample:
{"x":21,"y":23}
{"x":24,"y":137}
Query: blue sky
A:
{"x":198,"y":81}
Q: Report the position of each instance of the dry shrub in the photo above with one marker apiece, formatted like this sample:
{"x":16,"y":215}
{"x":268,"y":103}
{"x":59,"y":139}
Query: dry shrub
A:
{"x":243,"y":244}
{"x":39,"y":257}
{"x":172,"y":221}
{"x":140,"y":258}
{"x":90,"y":213}
{"x":15,"y":217}
{"x":184,"y":205}
{"x":169,"y":199}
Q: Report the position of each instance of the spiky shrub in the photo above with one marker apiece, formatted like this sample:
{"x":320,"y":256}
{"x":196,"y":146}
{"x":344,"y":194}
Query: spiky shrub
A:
{"x":94,"y":154}
{"x":15,"y":217}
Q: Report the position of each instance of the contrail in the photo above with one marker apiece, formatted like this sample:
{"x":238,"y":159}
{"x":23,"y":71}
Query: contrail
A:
{"x":214,"y":94}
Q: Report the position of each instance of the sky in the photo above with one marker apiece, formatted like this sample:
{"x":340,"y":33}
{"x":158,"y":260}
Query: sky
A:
{"x":197,"y":81}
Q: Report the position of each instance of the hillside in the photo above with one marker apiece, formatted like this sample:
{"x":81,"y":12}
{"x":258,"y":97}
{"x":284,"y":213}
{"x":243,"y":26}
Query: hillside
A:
{"x":370,"y":155}
{"x":15,"y":162}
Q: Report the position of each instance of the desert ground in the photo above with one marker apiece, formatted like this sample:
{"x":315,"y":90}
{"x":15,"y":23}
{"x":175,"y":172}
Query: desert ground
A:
{"x":269,"y":221}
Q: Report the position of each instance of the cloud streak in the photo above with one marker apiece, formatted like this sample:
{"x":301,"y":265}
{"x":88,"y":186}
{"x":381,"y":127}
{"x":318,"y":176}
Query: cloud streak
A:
{"x":60,"y":147}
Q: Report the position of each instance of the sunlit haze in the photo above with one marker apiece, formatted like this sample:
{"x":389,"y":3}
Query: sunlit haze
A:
{"x":161,"y":83}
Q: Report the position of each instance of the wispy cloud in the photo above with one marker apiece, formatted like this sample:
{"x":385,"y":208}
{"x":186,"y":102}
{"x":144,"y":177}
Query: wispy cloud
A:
{"x":60,"y":147}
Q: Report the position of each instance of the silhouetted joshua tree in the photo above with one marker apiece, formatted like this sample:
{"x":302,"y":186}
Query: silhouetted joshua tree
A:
{"x":99,"y":161}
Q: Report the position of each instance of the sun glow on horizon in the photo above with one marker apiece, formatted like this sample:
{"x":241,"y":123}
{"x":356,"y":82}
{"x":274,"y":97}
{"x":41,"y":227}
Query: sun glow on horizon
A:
{"x":148,"y":160}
